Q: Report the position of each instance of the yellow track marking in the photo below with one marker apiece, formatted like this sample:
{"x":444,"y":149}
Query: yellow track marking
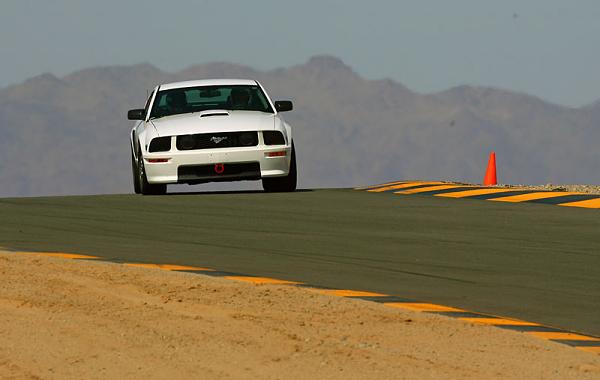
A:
{"x":403,"y":186}
{"x":561,"y":335}
{"x":346,"y":293}
{"x":590,"y":203}
{"x":415,"y":306}
{"x":261,"y":280}
{"x":183,"y":267}
{"x":140,"y":265}
{"x":61,"y":255}
{"x":498,"y":321}
{"x":594,"y":350}
{"x":429,"y":188}
{"x":167,"y":267}
{"x":472,"y":193}
{"x":380,"y":185}
{"x":532,"y":196}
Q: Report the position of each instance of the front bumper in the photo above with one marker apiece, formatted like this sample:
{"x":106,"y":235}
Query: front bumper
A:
{"x":167,"y":172}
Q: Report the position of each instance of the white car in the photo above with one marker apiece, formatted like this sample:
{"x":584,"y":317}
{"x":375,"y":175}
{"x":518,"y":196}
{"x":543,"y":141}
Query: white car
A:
{"x":211,"y":130}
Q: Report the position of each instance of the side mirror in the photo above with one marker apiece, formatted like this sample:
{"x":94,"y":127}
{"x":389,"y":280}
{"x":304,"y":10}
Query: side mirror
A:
{"x":137,"y":114}
{"x":283,"y":105}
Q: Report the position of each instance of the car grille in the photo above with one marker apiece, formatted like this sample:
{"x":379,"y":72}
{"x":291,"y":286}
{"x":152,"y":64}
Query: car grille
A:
{"x":213,"y":173}
{"x":217,"y":140}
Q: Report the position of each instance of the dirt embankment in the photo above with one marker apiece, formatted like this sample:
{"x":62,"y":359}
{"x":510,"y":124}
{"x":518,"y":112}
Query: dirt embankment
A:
{"x":572,"y":188}
{"x":74,"y":319}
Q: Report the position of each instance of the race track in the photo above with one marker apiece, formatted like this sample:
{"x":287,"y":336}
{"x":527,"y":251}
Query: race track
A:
{"x":529,"y":261}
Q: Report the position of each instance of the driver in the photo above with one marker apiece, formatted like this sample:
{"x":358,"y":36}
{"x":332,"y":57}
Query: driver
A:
{"x":240,"y":97}
{"x":177,"y":102}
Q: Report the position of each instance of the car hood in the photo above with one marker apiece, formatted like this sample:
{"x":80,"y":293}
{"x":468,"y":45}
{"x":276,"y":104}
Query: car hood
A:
{"x":214,"y":121}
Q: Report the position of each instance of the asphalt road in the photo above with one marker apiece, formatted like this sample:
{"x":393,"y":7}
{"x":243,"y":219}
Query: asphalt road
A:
{"x":536,"y":262}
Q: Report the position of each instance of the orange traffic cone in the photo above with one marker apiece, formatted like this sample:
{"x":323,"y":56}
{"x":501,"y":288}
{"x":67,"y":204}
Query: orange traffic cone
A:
{"x":490,"y":174}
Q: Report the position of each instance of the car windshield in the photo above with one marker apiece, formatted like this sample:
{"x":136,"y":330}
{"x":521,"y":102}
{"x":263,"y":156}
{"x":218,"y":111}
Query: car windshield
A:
{"x":196,"y":99}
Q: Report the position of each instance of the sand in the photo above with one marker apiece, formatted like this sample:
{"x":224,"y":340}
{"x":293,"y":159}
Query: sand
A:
{"x":63,"y":319}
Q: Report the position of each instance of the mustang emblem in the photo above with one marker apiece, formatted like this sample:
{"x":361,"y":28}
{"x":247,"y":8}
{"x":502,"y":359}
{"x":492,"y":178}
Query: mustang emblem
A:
{"x":217,"y":139}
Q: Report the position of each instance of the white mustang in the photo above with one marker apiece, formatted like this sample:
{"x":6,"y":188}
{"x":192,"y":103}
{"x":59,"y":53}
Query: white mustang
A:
{"x":211,"y":130}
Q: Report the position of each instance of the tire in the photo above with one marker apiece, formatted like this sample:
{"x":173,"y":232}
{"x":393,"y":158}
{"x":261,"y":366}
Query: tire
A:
{"x":136,"y":179}
{"x":283,"y":184}
{"x":145,"y":187}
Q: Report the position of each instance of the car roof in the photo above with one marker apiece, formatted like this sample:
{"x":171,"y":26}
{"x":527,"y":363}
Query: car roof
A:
{"x":208,"y":82}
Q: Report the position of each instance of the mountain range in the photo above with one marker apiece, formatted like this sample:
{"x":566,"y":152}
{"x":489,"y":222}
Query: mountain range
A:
{"x":69,"y":135}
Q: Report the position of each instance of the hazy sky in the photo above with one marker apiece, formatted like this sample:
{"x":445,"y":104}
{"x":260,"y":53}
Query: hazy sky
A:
{"x":550,"y":48}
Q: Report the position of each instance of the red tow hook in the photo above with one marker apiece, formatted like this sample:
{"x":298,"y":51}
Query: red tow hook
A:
{"x":219,"y":168}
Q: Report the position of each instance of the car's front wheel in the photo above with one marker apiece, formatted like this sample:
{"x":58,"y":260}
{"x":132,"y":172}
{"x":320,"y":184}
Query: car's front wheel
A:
{"x":145,"y":187}
{"x":283,"y":184}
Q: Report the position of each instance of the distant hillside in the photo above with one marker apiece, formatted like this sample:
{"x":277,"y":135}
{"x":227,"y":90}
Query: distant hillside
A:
{"x":69,"y":135}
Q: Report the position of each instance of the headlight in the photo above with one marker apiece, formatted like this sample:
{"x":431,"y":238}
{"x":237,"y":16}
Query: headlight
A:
{"x":160,"y":144}
{"x":273,"y":138}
